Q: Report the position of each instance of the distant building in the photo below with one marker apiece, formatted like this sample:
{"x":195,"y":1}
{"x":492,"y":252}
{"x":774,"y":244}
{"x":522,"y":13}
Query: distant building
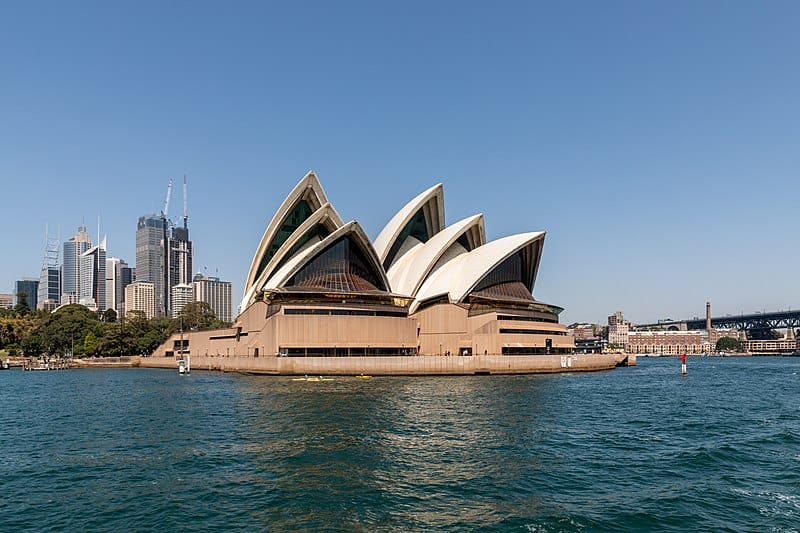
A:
{"x":118,"y":276}
{"x":182,"y":294}
{"x":93,"y":278}
{"x":140,"y":296}
{"x":29,"y":287}
{"x":179,"y":260}
{"x":6,"y":300}
{"x":151,"y":241}
{"x":583,"y":331}
{"x":618,"y":329}
{"x":49,"y":295}
{"x":70,"y":269}
{"x":218,"y":295}
{"x":776,"y":346}
{"x":677,"y":342}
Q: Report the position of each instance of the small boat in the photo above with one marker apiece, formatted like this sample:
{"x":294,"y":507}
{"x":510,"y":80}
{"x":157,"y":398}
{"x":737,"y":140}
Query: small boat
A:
{"x":181,"y":367}
{"x":312,"y":378}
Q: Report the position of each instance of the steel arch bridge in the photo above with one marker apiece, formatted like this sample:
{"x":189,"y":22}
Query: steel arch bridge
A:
{"x":755,"y":321}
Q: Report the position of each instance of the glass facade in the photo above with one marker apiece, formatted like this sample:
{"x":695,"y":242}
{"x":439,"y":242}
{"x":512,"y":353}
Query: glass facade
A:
{"x":151,"y":237}
{"x":342,"y":267}
{"x":417,"y":228}
{"x":28,"y":287}
{"x":296,"y":216}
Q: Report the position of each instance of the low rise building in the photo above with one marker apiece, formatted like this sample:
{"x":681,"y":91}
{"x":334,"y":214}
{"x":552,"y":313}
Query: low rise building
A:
{"x":6,"y":300}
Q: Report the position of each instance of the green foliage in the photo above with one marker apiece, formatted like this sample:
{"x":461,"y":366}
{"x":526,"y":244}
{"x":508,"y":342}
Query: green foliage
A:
{"x":195,"y":316}
{"x":73,"y":329}
{"x":728,"y":344}
{"x":22,"y":307}
{"x":109,"y":315}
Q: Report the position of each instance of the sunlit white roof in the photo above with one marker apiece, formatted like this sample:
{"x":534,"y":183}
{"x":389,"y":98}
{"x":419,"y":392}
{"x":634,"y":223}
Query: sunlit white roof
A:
{"x":432,"y":203}
{"x":457,"y":277}
{"x":407,"y":274}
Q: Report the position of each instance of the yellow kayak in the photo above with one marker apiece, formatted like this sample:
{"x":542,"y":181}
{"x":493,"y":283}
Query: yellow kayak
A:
{"x":362,"y":376}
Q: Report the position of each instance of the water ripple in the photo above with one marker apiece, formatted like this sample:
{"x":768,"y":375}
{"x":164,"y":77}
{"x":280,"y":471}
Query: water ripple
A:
{"x":630,"y":450}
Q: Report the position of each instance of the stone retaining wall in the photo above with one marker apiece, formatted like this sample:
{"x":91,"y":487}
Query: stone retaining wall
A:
{"x":387,"y":366}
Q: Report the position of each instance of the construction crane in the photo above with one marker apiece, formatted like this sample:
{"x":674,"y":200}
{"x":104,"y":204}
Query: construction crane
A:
{"x":166,"y":202}
{"x":185,"y":208}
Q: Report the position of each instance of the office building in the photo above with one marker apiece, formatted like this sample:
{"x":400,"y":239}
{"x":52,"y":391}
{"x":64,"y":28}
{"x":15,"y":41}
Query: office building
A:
{"x":618,"y":329}
{"x":118,"y":276}
{"x":30,"y":288}
{"x":6,"y":300}
{"x":151,"y":241}
{"x":140,"y":296}
{"x":70,"y":269}
{"x":49,"y":296}
{"x":93,"y":277}
{"x":181,"y":294}
{"x":217,"y":294}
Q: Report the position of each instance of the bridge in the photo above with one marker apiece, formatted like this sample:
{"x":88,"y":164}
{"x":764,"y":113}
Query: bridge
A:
{"x":755,"y":321}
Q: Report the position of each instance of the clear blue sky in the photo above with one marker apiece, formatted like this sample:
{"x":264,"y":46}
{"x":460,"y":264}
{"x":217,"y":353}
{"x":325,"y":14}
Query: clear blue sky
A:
{"x":656,"y":142}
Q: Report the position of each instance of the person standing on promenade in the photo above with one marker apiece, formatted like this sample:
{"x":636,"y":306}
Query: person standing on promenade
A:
{"x":683,"y":364}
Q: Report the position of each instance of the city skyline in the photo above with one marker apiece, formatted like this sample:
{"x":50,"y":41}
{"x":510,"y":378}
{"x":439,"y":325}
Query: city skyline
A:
{"x":653,"y":143}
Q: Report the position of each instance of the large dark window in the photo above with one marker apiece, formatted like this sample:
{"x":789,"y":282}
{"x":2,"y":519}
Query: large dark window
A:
{"x":417,"y":228}
{"x":319,"y":231}
{"x":342,"y":267}
{"x":296,"y":216}
{"x":507,"y":280}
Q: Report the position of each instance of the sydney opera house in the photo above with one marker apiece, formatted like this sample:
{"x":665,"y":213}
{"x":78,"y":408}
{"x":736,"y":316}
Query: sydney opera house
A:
{"x":318,"y":289}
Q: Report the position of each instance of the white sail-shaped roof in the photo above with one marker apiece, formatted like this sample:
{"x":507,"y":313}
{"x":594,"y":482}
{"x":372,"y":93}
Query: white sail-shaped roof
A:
{"x":459,"y":276}
{"x":352,"y":230}
{"x":303,"y":237}
{"x":431,"y":205}
{"x":408,"y":273}
{"x":308,"y":190}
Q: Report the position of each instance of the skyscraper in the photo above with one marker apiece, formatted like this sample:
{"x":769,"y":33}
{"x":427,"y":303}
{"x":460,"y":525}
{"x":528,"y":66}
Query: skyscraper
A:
{"x":93,"y":277}
{"x":70,"y":270}
{"x":164,"y":253}
{"x":216,"y":293}
{"x":30,"y":288}
{"x":180,"y":257}
{"x":118,"y":276}
{"x":50,"y":275}
{"x":151,"y":241}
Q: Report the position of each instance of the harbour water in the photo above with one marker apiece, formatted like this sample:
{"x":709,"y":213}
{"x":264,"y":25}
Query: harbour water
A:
{"x":633,"y":449}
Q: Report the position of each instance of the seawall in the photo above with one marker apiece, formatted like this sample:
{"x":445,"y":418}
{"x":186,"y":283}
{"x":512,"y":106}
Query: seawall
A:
{"x":393,"y":366}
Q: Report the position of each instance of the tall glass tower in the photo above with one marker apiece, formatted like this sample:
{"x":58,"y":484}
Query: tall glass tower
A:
{"x":151,"y":256}
{"x":70,"y":270}
{"x":50,"y":277}
{"x":93,"y":277}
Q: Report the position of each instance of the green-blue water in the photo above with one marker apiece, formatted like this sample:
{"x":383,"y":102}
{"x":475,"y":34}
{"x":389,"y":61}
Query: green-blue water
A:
{"x":629,"y":450}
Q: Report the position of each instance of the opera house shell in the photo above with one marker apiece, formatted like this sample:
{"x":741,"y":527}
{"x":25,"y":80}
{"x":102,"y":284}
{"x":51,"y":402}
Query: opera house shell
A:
{"x":317,"y":287}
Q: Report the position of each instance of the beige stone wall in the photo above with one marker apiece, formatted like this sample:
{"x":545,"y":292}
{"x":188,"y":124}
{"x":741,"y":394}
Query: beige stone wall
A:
{"x":386,"y":366}
{"x":439,"y":330}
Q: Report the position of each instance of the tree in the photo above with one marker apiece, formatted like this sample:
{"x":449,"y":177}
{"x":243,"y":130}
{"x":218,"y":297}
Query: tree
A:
{"x":67,"y":328}
{"x":22,"y":308}
{"x":109,"y":315}
{"x":728,"y":344}
{"x":195,"y":316}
